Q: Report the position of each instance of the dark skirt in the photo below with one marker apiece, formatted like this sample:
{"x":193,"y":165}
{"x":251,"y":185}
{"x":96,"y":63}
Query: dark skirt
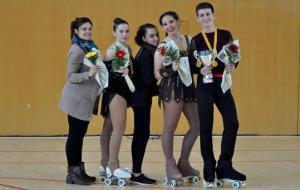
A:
{"x":181,"y":92}
{"x":116,"y":85}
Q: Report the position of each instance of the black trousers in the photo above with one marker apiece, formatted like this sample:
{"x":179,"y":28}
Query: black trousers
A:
{"x":208,"y":95}
{"x":77,"y":130}
{"x":140,"y":136}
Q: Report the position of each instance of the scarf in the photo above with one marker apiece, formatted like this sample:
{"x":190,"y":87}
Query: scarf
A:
{"x":85,"y":45}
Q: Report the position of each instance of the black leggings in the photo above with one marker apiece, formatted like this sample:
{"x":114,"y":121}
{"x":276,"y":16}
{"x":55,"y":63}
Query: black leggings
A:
{"x":77,"y":130}
{"x":208,"y":95}
{"x":140,"y":136}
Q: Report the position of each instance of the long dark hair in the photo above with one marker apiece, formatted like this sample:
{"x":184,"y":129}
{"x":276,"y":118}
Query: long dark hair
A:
{"x":168,"y":13}
{"x":142,"y":32}
{"x":117,"y":22}
{"x":75,"y":24}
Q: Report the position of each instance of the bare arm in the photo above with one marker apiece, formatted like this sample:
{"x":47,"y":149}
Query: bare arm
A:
{"x":157,"y":64}
{"x":110,"y":52}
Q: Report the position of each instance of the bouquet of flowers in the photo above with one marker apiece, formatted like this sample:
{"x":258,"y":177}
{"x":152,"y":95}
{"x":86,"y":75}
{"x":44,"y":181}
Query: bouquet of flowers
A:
{"x":120,"y":61}
{"x":170,"y":52}
{"x":94,"y":58}
{"x":230,"y":53}
{"x":233,"y":52}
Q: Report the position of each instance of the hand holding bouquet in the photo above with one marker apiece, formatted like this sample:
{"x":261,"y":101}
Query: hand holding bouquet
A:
{"x":93,"y":60}
{"x":170,"y":53}
{"x":121,"y":61}
{"x":230,"y":55}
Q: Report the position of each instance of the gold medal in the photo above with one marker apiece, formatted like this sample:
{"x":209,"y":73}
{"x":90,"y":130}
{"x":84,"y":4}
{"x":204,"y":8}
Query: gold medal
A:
{"x":198,"y":64}
{"x":214,"y":63}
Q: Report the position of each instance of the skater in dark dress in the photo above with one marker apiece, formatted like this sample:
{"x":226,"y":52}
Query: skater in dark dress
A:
{"x":176,"y":98}
{"x":116,"y":98}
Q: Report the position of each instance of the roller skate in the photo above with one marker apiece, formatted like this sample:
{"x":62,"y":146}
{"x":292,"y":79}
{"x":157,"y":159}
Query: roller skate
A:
{"x":119,"y":176}
{"x":174,"y":177}
{"x":227,"y":174}
{"x":102,"y":174}
{"x":190,"y":174}
{"x":209,"y":181}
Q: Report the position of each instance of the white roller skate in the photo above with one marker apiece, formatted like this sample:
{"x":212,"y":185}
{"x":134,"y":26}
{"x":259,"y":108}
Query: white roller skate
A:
{"x":102,"y":174}
{"x":120,"y":176}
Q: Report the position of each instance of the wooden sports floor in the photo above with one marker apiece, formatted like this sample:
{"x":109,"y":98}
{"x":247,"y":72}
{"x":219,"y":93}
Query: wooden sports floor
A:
{"x":39,"y":163}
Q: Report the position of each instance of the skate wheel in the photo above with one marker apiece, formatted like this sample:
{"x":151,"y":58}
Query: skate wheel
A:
{"x":107,"y":181}
{"x":195,"y":180}
{"x":236,"y":185}
{"x":165,"y":181}
{"x":101,"y":179}
{"x":173,"y":183}
{"x":121,"y":182}
{"x":219,"y":184}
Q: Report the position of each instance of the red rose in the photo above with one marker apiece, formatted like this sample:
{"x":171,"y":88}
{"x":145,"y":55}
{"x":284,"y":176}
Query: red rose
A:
{"x":120,"y":54}
{"x":162,"y":51}
{"x":234,"y":48}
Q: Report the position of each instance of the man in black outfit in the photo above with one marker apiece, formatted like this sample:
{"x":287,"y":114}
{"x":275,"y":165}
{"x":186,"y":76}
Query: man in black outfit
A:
{"x":208,"y":94}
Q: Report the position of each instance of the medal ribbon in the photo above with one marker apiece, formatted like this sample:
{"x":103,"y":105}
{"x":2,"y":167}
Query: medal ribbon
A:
{"x":207,"y":42}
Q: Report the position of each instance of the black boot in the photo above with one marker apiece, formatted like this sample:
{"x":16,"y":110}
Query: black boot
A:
{"x":209,"y":173}
{"x":225,"y":170}
{"x":90,"y":178}
{"x":75,"y":176}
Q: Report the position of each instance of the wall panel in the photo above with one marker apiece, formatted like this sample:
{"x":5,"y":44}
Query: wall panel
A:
{"x":35,"y":39}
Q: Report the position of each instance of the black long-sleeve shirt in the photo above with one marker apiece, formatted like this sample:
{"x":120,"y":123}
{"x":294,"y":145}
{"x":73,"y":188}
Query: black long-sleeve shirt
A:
{"x":198,"y":44}
{"x":143,"y":77}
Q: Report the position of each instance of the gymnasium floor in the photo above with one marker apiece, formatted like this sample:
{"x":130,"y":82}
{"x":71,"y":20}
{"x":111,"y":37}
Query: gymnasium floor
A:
{"x":39,"y":163}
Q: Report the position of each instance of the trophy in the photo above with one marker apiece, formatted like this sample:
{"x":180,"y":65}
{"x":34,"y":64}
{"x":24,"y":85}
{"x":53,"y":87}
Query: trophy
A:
{"x":205,"y":57}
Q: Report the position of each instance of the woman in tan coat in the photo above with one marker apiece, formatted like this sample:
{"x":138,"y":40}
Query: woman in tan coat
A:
{"x":78,"y":98}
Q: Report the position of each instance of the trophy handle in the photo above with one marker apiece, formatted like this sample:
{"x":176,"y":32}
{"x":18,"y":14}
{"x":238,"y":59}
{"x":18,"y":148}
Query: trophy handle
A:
{"x":196,"y":54}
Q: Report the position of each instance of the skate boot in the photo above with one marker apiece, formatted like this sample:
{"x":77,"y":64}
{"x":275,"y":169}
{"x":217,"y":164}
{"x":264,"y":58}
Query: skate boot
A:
{"x":119,"y":176}
{"x":209,"y":181}
{"x":174,"y":177}
{"x":226,"y":173}
{"x":102,"y":174}
{"x":192,"y":175}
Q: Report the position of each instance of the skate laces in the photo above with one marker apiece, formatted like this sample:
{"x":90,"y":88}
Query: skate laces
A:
{"x":102,"y":170}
